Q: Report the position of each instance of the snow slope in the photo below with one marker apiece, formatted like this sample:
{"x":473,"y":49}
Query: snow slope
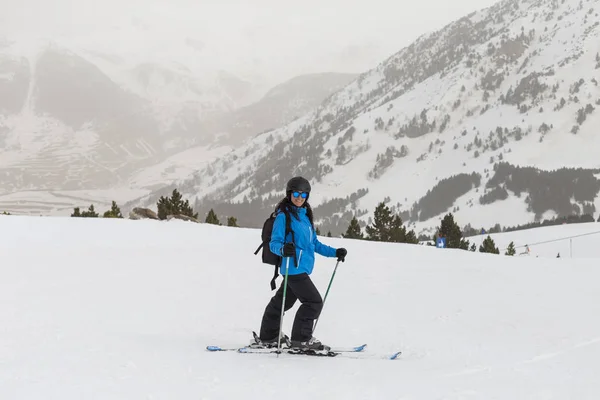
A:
{"x":123,"y":309}
{"x":569,"y":240}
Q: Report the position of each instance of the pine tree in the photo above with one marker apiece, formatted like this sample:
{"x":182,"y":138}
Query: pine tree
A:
{"x":163,"y":207}
{"x":329,"y":234}
{"x":318,"y":231}
{"x":174,"y":206}
{"x":382,"y":222}
{"x":114,"y":212}
{"x":397,"y":231}
{"x":388,"y":227}
{"x":353,"y":231}
{"x":473,"y":247}
{"x":76,"y":212}
{"x":90,"y":213}
{"x":451,"y":231}
{"x":411,"y":237}
{"x":211,"y":218}
{"x":510,"y":250}
{"x":232,"y":221}
{"x":488,"y":246}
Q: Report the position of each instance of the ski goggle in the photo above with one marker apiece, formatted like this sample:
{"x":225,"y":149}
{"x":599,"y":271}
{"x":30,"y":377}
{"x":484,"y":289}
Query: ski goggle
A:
{"x":302,"y":194}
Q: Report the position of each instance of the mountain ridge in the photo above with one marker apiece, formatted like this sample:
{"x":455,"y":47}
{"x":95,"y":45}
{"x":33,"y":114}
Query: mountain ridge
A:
{"x":507,"y":83}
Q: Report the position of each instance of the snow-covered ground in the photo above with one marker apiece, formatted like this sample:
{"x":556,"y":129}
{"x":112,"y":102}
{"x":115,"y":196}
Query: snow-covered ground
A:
{"x":569,"y":240}
{"x":121,"y":309}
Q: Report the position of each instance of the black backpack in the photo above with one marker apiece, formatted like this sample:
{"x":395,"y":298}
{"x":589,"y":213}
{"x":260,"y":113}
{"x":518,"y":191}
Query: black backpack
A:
{"x":268,"y":257}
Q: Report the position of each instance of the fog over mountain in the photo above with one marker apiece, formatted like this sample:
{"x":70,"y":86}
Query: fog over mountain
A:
{"x":265,"y":40}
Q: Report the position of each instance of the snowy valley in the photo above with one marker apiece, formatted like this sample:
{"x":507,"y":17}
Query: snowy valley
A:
{"x":494,"y":118}
{"x":75,"y":119}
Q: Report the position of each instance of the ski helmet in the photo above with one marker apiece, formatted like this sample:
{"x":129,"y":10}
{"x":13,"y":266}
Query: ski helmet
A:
{"x":297,"y":183}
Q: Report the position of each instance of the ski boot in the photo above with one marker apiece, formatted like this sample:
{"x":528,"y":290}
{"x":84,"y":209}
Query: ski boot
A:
{"x":311,"y":345}
{"x":258,"y":343}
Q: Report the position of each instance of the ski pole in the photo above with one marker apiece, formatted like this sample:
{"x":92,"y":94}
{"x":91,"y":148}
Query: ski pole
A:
{"x":285,"y":280}
{"x":327,"y":292}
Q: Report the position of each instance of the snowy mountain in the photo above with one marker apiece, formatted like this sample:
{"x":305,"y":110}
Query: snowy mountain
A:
{"x":122,"y":309}
{"x":279,"y":106}
{"x":69,"y":120}
{"x":478,"y":118}
{"x":74,"y":118}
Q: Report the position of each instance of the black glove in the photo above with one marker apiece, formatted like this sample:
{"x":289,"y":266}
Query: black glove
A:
{"x":289,"y":250}
{"x":341,"y":254}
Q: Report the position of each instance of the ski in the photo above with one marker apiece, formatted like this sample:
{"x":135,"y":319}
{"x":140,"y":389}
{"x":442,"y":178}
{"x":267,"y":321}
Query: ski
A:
{"x":286,"y":349}
{"x":250,"y":349}
{"x":350,"y":352}
{"x":317,"y":353}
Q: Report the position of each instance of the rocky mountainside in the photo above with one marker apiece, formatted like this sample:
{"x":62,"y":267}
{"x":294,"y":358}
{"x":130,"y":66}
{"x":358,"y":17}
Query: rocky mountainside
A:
{"x":478,"y":118}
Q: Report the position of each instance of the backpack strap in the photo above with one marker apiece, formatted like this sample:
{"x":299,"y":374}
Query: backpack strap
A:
{"x":288,"y":229}
{"x":275,"y":271}
{"x":275,"y":275}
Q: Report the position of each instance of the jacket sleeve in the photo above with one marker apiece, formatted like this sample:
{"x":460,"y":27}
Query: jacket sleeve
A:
{"x":278,"y":235}
{"x":321,"y":248}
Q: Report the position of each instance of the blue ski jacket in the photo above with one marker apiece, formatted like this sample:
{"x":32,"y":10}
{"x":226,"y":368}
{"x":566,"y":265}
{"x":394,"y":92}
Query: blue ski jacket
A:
{"x":305,"y":240}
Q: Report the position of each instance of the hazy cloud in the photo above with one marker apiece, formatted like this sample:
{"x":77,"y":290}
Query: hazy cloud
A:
{"x":280,"y":38}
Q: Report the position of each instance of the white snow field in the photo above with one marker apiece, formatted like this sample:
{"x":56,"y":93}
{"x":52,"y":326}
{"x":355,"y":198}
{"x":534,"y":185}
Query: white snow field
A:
{"x":122,"y":309}
{"x":568,"y":240}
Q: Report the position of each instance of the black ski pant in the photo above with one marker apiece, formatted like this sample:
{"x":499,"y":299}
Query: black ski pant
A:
{"x":299,"y":287}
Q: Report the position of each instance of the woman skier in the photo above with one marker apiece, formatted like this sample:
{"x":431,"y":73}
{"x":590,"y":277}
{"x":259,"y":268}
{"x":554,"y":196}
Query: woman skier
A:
{"x":299,"y":247}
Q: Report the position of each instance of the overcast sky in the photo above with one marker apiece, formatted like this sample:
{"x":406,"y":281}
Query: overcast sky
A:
{"x":288,"y":37}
